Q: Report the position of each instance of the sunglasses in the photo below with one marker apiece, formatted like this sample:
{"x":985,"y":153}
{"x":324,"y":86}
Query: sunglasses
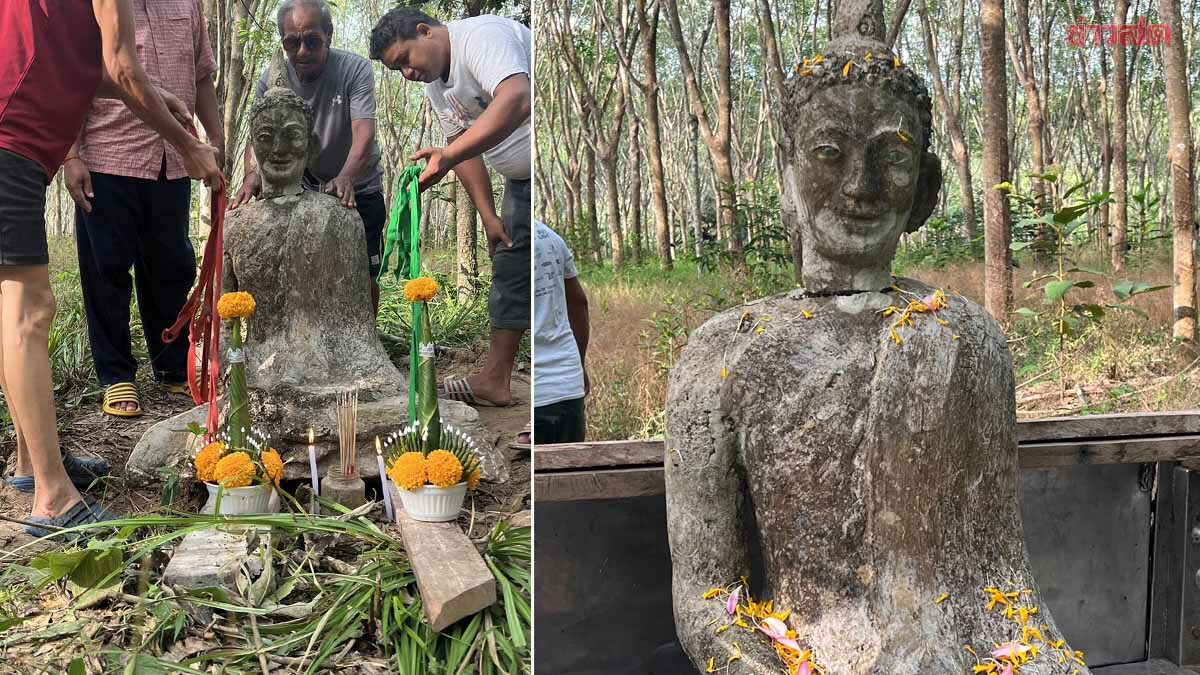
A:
{"x":292,"y":43}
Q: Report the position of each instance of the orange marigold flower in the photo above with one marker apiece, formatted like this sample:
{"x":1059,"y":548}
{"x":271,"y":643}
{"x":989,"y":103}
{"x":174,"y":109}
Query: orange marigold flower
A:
{"x":273,"y":465}
{"x":473,"y":480}
{"x":420,"y":289}
{"x":235,"y":470}
{"x":408,"y":471}
{"x":206,"y":461}
{"x":443,"y":468}
{"x":239,"y":305}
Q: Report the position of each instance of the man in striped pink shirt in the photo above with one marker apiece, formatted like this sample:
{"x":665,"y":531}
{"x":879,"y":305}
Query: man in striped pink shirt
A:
{"x":133,"y":196}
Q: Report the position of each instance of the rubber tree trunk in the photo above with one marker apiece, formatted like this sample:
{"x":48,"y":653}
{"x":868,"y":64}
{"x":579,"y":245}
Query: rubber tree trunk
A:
{"x":1120,"y":156}
{"x":996,"y":219}
{"x":1182,"y":185}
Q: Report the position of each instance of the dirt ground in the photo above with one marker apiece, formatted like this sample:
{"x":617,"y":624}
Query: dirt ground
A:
{"x":87,"y":431}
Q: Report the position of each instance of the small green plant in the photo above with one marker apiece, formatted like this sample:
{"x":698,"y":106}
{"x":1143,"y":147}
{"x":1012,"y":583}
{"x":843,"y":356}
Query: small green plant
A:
{"x":1054,"y":222}
{"x":668,"y":335}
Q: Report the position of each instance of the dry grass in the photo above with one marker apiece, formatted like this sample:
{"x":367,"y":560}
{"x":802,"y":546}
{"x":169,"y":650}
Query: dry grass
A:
{"x":1128,"y":363}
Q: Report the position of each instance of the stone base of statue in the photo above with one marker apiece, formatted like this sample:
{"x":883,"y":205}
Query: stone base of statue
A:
{"x":881,"y":475}
{"x":169,"y":445}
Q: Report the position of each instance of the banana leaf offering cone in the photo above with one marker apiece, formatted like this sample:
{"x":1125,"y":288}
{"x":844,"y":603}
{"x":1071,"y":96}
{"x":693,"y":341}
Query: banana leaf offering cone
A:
{"x":237,"y":308}
{"x":420,"y":291}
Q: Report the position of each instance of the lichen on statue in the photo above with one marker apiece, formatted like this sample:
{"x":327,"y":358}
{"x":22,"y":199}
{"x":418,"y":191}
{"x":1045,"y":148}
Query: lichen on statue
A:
{"x":875,"y":448}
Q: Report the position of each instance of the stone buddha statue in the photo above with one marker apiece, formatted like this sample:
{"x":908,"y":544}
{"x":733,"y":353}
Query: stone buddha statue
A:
{"x":304,"y":259}
{"x":866,"y":455}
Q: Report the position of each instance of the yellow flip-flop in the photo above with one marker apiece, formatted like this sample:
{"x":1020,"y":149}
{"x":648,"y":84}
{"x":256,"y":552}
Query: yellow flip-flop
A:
{"x":121,"y":392}
{"x":178,"y":388}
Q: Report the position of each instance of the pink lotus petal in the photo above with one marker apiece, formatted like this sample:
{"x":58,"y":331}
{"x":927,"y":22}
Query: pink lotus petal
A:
{"x":928,"y":302}
{"x":1010,"y":650}
{"x":805,"y":669}
{"x":788,"y":642}
{"x":732,"y":603}
{"x":774,"y":628}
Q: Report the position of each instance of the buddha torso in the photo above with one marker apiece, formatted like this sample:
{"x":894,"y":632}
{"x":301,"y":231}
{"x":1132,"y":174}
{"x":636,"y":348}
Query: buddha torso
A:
{"x":876,"y":471}
{"x":304,"y":260}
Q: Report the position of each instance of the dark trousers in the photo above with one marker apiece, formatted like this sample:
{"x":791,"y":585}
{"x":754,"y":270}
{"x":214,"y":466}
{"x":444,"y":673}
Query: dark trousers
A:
{"x":141,"y":224}
{"x":562,"y":422}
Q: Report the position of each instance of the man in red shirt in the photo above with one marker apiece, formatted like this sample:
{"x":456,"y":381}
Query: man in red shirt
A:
{"x":54,"y":58}
{"x":133,"y":197}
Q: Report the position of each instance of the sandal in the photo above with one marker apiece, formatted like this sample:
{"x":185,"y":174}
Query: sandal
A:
{"x":83,"y":471}
{"x":177,"y":388}
{"x":527,"y":432}
{"x":460,"y":390}
{"x":121,"y":392}
{"x":85,"y":512}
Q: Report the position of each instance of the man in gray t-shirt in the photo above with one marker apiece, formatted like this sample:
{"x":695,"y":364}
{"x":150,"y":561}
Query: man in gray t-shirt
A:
{"x":340,"y":87}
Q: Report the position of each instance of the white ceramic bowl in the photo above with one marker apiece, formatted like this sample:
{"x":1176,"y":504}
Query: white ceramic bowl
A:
{"x":240,"y":501}
{"x":431,"y":504}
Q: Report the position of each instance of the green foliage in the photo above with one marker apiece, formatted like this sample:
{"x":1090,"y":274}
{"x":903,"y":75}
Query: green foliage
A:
{"x":300,"y":611}
{"x":944,"y":243}
{"x":1052,"y":224}
{"x":667,"y":335}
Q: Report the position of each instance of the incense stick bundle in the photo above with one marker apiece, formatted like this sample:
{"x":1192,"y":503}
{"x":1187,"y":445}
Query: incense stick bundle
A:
{"x":347,"y":421}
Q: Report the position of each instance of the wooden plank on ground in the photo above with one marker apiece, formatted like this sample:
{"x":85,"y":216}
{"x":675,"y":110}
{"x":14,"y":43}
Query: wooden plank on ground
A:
{"x":599,"y":453}
{"x":1120,"y":425}
{"x":1119,"y":451}
{"x":565,"y":486}
{"x":453,"y":579}
{"x":1155,"y":667}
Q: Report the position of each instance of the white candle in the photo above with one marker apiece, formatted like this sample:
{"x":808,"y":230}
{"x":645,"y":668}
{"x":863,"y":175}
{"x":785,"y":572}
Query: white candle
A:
{"x":383,"y":480}
{"x":312,"y":465}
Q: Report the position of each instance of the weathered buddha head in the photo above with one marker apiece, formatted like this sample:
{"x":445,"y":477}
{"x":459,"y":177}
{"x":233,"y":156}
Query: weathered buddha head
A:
{"x":281,"y":131}
{"x":858,"y":167}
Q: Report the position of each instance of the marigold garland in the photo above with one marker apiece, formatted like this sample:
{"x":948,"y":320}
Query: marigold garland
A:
{"x":235,"y":470}
{"x":206,"y":461}
{"x":443,"y":469}
{"x":408,"y":471}
{"x":273,"y":465}
{"x":237,"y":305}
{"x":420,"y":289}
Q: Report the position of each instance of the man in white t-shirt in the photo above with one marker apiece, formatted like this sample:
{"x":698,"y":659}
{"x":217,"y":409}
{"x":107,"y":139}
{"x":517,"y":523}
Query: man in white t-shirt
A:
{"x":477,"y":78}
{"x":560,"y":340}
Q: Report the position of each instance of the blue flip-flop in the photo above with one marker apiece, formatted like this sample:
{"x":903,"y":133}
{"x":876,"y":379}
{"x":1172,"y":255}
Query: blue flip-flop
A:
{"x":82,"y":471}
{"x":84,"y":512}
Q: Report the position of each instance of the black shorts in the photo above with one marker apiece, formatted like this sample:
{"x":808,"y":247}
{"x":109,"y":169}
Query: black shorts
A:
{"x":374,"y":216}
{"x":509,"y":299}
{"x":22,"y":211}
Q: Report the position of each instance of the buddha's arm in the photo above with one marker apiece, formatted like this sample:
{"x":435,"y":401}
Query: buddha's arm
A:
{"x":705,"y":498}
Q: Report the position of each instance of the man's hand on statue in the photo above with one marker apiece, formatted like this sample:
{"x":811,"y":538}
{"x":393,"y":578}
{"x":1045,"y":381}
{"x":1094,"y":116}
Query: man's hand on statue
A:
{"x":342,"y":188}
{"x":79,"y":182}
{"x":201,"y":162}
{"x":251,"y":187}
{"x":494,"y":229}
{"x":437,"y":166}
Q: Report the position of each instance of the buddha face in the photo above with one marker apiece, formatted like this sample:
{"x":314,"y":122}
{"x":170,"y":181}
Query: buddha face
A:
{"x":858,"y":161}
{"x":282,"y":141}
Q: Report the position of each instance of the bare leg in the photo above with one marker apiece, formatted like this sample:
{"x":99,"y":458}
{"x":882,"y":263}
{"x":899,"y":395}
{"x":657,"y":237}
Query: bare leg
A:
{"x":23,"y":465}
{"x":26,"y":312}
{"x":493,"y":382}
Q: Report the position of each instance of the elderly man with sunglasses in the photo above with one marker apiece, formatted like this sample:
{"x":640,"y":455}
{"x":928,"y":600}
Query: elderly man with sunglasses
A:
{"x":340,"y":87}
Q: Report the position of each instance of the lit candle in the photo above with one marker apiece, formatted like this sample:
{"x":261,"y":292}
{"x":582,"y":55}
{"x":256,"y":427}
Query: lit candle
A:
{"x":383,"y":480}
{"x":312,"y":465}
